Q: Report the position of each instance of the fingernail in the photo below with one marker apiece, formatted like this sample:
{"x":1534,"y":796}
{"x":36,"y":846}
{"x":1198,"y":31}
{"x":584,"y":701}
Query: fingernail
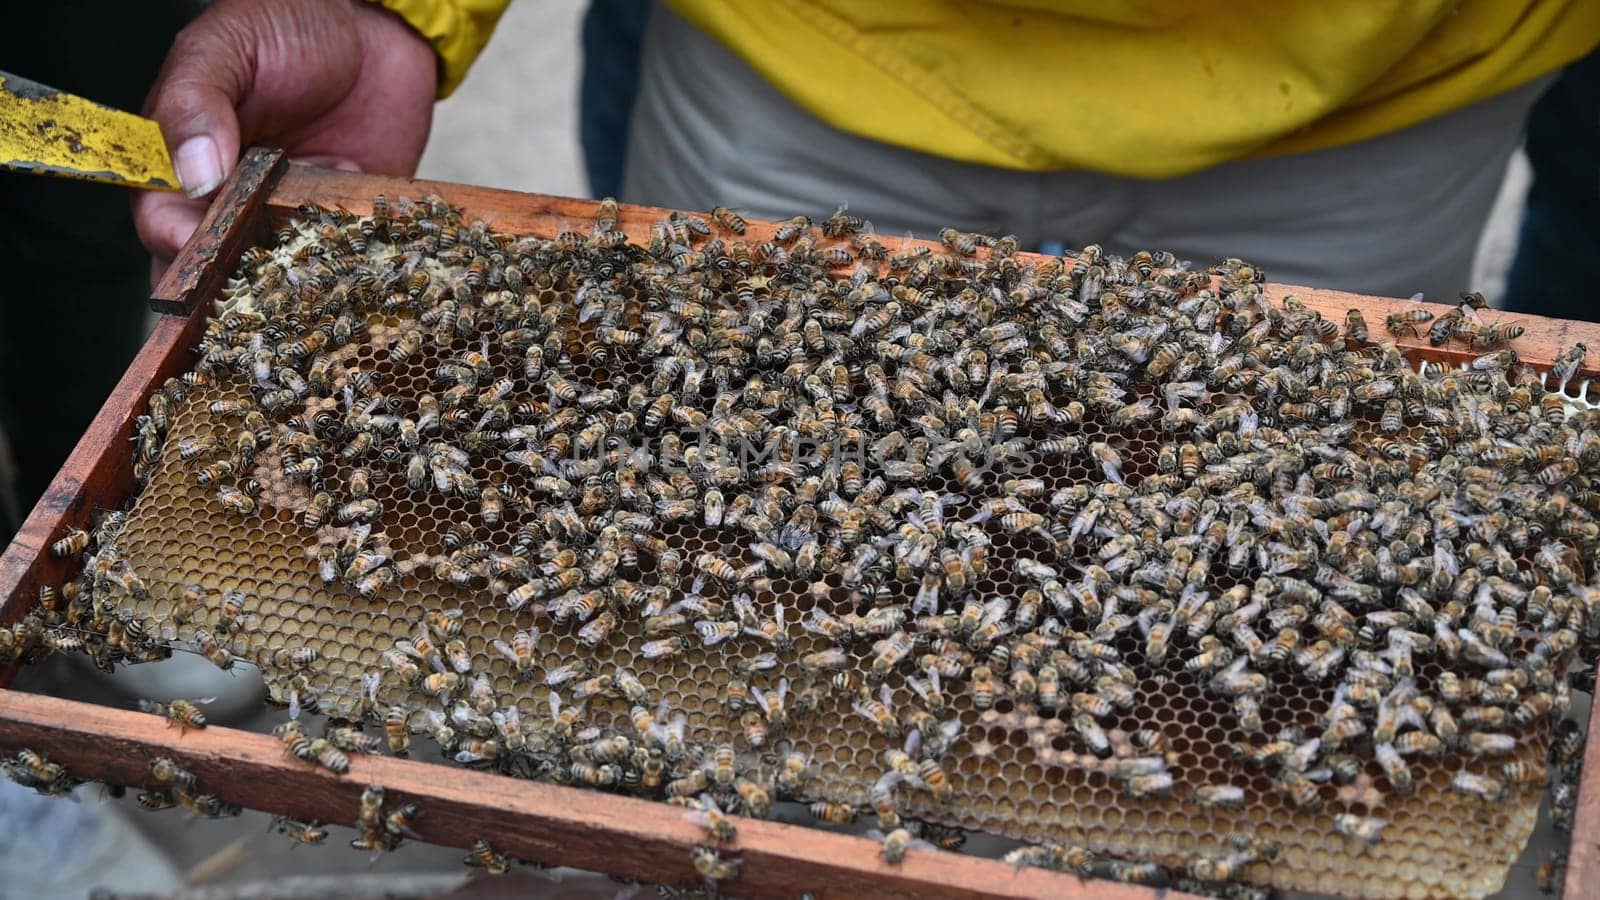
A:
{"x":199,"y":166}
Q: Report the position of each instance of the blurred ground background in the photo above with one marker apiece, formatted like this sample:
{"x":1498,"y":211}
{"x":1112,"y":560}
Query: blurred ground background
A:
{"x":513,"y":124}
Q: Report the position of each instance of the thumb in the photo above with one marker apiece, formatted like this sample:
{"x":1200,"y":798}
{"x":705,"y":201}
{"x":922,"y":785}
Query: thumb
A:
{"x":194,"y":100}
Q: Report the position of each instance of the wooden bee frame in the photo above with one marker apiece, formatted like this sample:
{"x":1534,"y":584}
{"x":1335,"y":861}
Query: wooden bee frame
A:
{"x":540,"y":823}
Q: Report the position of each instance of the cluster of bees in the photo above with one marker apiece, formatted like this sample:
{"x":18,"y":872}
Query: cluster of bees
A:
{"x":106,"y":632}
{"x":34,"y":770}
{"x":1311,"y":509}
{"x":175,"y":786}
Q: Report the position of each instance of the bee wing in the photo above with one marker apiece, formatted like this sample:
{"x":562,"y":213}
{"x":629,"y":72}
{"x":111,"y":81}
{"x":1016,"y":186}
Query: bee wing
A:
{"x":994,"y":611}
{"x":504,"y":649}
{"x":762,"y":662}
{"x":916,"y":684}
{"x":370,"y":682}
{"x":813,"y":622}
{"x":710,"y":804}
{"x":294,"y":704}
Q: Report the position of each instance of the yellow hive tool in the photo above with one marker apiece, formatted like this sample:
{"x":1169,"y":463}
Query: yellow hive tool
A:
{"x":52,"y":133}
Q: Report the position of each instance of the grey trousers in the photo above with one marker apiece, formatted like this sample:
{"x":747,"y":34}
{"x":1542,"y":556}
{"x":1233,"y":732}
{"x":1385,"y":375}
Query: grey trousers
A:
{"x":1393,"y":215}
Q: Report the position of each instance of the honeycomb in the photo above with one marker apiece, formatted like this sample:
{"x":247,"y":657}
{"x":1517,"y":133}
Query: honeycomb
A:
{"x":1016,"y":767}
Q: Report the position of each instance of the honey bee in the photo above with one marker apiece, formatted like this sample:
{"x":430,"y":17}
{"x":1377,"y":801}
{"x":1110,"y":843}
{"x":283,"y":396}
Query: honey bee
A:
{"x":721,"y":765}
{"x":755,"y":798}
{"x":1566,"y":366}
{"x":442,"y":684}
{"x":317,"y":510}
{"x":710,"y":816}
{"x":236,"y":501}
{"x":520,"y":651}
{"x":1355,"y":327}
{"x":896,"y":843}
{"x":717,"y":567}
{"x":1224,"y":795}
{"x":482,"y":856}
{"x":1406,"y":321}
{"x":728,"y":219}
{"x":833,"y":813}
{"x":299,"y":832}
{"x":1492,"y":336}
{"x":792,"y":772}
{"x":755,"y":727}
{"x":880,"y":712}
{"x":328,"y":756}
{"x":695,"y":782}
{"x":214,"y":652}
{"x":937,"y":782}
{"x":295,"y":742}
{"x":1548,"y":874}
{"x":1481,"y":743}
{"x":397,"y":730}
{"x":790,"y":230}
{"x":713,"y":633}
{"x":712,"y":867}
{"x":207,"y":806}
{"x":165,"y":771}
{"x":772,"y":704}
{"x":1419,"y":742}
{"x":74,"y":543}
{"x":889,"y":652}
{"x":183,"y":713}
{"x":664,"y":648}
{"x":964,"y":244}
{"x":605,"y":215}
{"x":824,"y":660}
{"x":1360,"y":828}
{"x":1482,"y":787}
{"x":1394,"y":768}
{"x":1299,"y":790}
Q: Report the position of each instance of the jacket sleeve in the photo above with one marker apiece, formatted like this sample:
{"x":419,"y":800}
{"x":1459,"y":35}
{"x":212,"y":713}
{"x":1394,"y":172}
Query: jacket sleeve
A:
{"x":457,"y":29}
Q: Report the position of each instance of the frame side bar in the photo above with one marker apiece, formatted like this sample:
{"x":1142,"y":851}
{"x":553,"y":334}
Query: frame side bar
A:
{"x":232,"y":221}
{"x":541,"y":823}
{"x":1583,"y":856}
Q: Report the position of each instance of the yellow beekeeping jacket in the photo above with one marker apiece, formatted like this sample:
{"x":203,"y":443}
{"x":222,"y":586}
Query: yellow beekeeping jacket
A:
{"x":1146,"y":88}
